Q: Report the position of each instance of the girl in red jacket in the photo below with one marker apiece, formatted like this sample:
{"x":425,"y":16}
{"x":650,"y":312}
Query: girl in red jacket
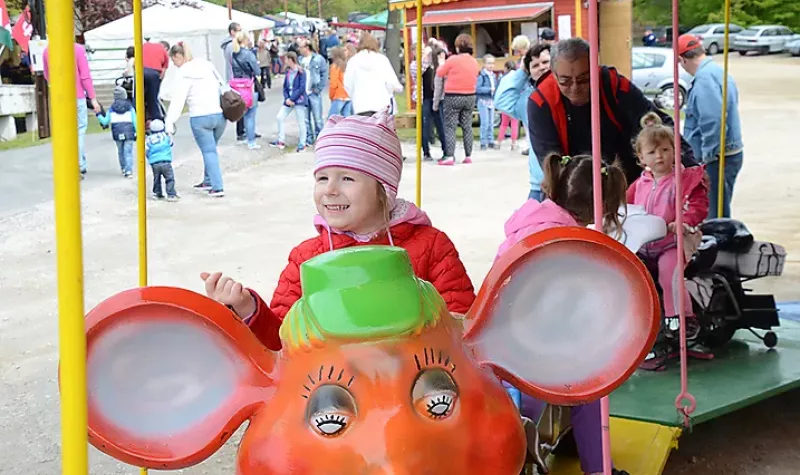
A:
{"x":358,"y":164}
{"x":655,"y":190}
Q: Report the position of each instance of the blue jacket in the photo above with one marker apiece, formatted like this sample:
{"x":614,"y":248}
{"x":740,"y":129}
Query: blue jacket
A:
{"x":511,"y":97}
{"x":122,"y":117}
{"x":244,"y":64}
{"x":296,"y":89}
{"x":318,"y":69}
{"x":703,"y":114}
{"x":483,"y":89}
{"x":158,"y":148}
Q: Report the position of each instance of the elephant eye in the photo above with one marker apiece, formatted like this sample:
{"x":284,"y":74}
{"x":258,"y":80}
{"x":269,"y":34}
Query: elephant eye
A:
{"x":435,"y":394}
{"x":330,"y":409}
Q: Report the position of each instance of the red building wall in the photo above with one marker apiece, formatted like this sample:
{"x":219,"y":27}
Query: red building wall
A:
{"x":560,"y":7}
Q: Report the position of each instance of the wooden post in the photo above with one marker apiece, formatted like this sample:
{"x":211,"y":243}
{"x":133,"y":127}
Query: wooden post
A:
{"x":406,"y":46}
{"x":230,"y":10}
{"x":438,"y":33}
{"x":319,"y":8}
{"x":510,"y":51}
{"x":578,"y":19}
{"x":615,"y":18}
{"x":473,"y":32}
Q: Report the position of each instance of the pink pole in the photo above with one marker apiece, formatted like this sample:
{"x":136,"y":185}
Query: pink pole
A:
{"x":594,"y":71}
{"x":684,"y":395}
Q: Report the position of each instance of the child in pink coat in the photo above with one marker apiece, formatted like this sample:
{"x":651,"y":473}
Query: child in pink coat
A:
{"x":655,"y":190}
{"x":568,"y":186}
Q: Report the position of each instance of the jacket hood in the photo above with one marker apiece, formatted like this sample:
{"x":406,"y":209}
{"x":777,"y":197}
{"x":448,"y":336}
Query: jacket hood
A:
{"x":225,"y":43}
{"x":121,"y":106}
{"x":365,"y":61}
{"x":537,"y":215}
{"x":197,"y":68}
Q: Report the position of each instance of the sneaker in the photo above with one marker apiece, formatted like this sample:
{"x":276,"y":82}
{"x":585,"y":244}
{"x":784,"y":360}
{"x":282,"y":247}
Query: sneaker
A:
{"x":254,"y":146}
{"x":427,"y":158}
{"x":157,"y":197}
{"x":524,"y":151}
{"x":202,"y":187}
{"x":301,"y":149}
{"x":656,"y":360}
{"x":483,"y":148}
{"x":493,"y":145}
{"x":467,"y":161}
{"x":216,"y":193}
{"x":240,"y":138}
{"x":127,"y":174}
{"x":173,"y":198}
{"x":692,"y":329}
{"x":513,"y":145}
{"x":241,"y":142}
{"x":277,"y":143}
{"x":257,"y":135}
{"x":447,"y":162}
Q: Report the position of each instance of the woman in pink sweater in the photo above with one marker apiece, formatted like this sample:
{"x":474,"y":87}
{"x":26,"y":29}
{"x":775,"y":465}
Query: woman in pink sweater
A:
{"x":461,"y":73}
{"x":84,"y":92}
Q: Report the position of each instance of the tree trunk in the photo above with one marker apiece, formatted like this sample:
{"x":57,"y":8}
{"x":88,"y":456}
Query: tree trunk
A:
{"x":392,"y":44}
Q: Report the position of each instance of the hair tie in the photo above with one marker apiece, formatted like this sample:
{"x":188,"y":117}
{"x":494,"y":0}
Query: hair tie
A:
{"x":565,"y":159}
{"x":604,"y":171}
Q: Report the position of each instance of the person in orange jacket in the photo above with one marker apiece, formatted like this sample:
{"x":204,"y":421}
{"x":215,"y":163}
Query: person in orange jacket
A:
{"x":358,"y":164}
{"x":340,"y":101}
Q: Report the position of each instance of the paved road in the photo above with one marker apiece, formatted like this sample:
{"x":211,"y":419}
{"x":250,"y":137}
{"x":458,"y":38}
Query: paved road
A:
{"x":26,"y":175}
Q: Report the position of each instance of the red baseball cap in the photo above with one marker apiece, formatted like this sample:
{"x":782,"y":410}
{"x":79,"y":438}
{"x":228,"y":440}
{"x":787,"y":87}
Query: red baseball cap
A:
{"x":687,"y":43}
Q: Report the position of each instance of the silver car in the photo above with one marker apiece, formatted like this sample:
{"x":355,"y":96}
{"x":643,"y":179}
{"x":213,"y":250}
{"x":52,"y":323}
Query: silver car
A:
{"x":764,"y":39}
{"x":793,"y":47}
{"x":652,"y":73}
{"x":713,"y":36}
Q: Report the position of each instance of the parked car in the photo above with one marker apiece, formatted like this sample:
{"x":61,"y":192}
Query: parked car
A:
{"x":663,"y":34}
{"x":763,"y":39}
{"x":653,"y":74}
{"x":713,"y":36}
{"x":793,"y":47}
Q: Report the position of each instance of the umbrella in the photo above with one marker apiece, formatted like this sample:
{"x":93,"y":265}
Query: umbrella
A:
{"x":291,"y":30}
{"x":280,"y":21}
{"x":378,"y":19}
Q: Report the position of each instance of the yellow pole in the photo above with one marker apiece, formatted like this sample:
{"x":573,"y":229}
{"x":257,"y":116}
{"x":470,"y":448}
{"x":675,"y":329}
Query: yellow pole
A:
{"x":438,"y":33}
{"x":510,"y":51}
{"x":721,"y":187}
{"x":578,"y":18}
{"x":406,"y":46}
{"x":418,"y":120}
{"x":140,"y":135}
{"x":69,"y":245}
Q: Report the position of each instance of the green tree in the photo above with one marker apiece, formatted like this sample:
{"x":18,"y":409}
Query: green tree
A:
{"x":696,"y":12}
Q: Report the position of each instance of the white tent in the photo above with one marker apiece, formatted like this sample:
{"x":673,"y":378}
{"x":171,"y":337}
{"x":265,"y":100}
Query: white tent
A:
{"x":201,"y":25}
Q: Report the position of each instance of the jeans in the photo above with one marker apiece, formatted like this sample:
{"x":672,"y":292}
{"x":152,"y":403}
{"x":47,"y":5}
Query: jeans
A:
{"x":83,"y":124}
{"x":340,"y":107}
{"x":301,"y":112}
{"x":430,"y":119}
{"x":733,"y":164}
{"x":537,"y":195}
{"x":486,"y":114}
{"x":314,"y":118}
{"x":125,"y":155}
{"x":152,"y":85}
{"x":250,"y":123}
{"x":163,"y":169}
{"x":266,"y":77}
{"x":277,"y":67}
{"x":207,"y":130}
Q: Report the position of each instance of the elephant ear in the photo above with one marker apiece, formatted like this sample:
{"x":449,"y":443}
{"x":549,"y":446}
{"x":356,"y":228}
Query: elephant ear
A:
{"x":171,"y":375}
{"x":566,"y":315}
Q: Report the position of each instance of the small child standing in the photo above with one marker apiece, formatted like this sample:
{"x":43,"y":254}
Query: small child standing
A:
{"x":122,"y":117}
{"x":505,"y":119}
{"x":158,"y":149}
{"x":487,"y":83}
{"x":655,"y":190}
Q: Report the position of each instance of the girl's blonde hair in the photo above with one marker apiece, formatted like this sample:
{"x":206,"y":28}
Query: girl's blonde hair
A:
{"x":240,"y":41}
{"x":520,"y":43}
{"x":653,"y":131}
{"x":181,"y":48}
{"x":339,"y":57}
{"x":568,"y":183}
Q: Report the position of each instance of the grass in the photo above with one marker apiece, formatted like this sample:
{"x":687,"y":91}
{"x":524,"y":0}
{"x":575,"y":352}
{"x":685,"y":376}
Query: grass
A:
{"x":31,"y":139}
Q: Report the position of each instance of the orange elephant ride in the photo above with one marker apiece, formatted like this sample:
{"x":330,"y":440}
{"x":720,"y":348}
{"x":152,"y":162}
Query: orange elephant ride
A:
{"x":375,"y":375}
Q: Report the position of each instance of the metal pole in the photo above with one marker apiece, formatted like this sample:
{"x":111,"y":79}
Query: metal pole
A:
{"x":594,"y":71}
{"x":578,"y":18}
{"x":418,"y":120}
{"x":69,"y":244}
{"x":140,"y":135}
{"x":725,"y":51}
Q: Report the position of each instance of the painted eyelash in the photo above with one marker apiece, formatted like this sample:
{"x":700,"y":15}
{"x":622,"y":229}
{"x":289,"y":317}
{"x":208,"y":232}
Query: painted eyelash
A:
{"x":433,"y":359}
{"x":443,"y":399}
{"x":331,"y":376}
{"x":330,"y":418}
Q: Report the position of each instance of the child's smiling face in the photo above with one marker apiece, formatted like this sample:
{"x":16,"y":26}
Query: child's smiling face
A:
{"x":658,"y":156}
{"x":349,"y":200}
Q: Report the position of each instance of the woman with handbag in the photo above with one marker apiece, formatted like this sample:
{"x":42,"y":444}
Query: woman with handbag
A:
{"x":245,"y":80}
{"x":197,"y":86}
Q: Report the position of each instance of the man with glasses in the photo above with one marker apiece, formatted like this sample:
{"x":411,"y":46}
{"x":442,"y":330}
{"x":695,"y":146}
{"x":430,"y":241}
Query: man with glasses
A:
{"x":559,"y":110}
{"x":704,"y":120}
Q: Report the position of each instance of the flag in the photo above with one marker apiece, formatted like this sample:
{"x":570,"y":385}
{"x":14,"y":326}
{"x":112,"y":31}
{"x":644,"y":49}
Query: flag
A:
{"x":5,"y":21}
{"x":23,"y":29}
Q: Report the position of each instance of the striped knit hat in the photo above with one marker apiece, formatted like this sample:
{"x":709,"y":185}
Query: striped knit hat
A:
{"x":365,"y":144}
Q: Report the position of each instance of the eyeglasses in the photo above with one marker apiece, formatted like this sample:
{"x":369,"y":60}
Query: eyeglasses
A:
{"x":568,"y":81}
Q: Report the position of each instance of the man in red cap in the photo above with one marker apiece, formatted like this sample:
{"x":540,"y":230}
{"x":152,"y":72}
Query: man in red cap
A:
{"x":704,"y":120}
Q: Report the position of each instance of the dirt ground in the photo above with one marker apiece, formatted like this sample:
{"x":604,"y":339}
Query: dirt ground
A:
{"x":249,"y":233}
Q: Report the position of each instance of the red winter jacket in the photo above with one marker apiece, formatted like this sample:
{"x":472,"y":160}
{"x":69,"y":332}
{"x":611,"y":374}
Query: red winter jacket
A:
{"x":432,"y":254}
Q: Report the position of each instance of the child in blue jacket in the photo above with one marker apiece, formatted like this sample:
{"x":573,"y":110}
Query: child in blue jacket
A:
{"x":122,"y":117}
{"x":484,"y":92}
{"x":158,"y":150}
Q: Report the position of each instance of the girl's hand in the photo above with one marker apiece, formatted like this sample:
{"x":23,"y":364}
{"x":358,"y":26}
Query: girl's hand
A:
{"x":229,"y":292}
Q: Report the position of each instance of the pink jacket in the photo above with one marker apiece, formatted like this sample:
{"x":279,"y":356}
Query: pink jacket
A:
{"x":658,"y":198}
{"x":531,"y":218}
{"x":83,"y":77}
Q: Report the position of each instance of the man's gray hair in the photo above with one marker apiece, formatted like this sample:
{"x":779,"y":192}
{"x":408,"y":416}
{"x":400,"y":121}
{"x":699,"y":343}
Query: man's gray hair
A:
{"x":569,"y":50}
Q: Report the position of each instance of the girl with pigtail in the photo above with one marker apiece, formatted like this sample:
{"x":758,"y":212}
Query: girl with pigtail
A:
{"x":655,"y":190}
{"x":568,"y":188}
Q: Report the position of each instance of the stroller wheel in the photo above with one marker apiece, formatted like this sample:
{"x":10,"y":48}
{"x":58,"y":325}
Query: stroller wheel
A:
{"x":770,"y":339}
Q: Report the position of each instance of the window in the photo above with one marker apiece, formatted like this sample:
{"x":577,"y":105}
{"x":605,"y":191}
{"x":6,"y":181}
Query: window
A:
{"x":787,"y":32}
{"x":658,"y":60}
{"x":749,"y":32}
{"x":720,"y":30}
{"x":735,"y":29}
{"x":645,"y":61}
